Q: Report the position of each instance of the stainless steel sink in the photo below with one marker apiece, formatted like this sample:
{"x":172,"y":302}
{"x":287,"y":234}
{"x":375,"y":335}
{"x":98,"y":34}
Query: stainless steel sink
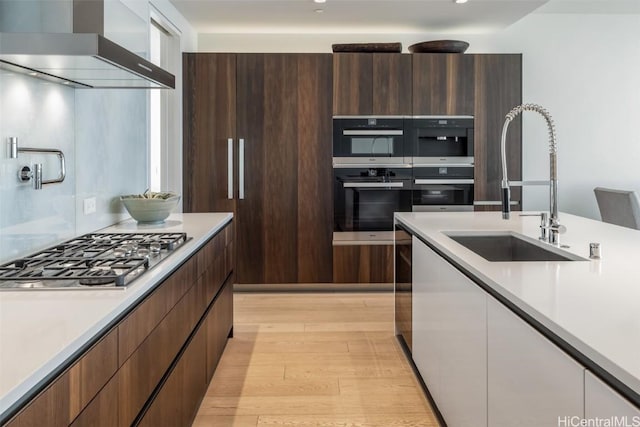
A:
{"x":510,"y":247}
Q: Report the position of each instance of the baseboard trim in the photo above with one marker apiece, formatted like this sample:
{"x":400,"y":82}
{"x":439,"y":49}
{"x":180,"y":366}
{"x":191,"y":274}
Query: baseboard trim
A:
{"x":314,"y":287}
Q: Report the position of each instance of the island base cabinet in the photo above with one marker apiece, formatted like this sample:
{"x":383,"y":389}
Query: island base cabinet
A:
{"x":531,"y":382}
{"x":153,"y":366}
{"x":218,"y":323}
{"x":179,"y":398}
{"x":449,"y":337}
{"x":601,"y":401}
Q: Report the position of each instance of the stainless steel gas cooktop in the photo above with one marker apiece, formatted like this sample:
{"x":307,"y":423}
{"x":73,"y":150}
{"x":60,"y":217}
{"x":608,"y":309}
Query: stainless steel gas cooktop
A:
{"x":92,"y":261}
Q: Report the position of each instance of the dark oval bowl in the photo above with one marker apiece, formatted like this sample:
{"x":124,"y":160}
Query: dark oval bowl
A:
{"x":439,"y":46}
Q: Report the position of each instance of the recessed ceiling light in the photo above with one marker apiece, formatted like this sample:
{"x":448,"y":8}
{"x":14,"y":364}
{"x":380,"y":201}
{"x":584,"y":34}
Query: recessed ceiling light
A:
{"x":33,"y":74}
{"x":459,"y":1}
{"x":319,"y":10}
{"x":319,"y":1}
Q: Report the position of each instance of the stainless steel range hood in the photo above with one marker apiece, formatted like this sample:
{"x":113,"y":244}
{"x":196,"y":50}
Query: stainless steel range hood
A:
{"x":83,"y":58}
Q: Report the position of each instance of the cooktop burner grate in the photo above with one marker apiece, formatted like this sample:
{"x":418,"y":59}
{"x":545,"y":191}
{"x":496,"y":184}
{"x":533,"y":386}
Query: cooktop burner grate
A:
{"x":95,"y":259}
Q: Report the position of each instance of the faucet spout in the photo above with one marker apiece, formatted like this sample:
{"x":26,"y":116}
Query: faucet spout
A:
{"x":553,"y":166}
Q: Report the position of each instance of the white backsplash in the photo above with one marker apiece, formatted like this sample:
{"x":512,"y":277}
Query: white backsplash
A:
{"x":103,"y":135}
{"x":111,"y":148}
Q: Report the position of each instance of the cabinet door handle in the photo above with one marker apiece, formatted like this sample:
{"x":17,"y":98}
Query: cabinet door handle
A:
{"x":241,"y":169}
{"x":230,"y":168}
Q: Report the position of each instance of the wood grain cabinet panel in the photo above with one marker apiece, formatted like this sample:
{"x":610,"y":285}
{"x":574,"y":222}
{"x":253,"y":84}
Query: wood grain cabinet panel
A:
{"x":65,"y":398}
{"x":314,"y":215}
{"x":392,"y":84}
{"x":219,"y":322}
{"x":140,"y":374}
{"x":53,"y":405}
{"x":134,"y":329}
{"x":363,"y":264}
{"x":371,"y":84}
{"x":443,"y":84}
{"x":352,"y":84}
{"x":102,"y":411}
{"x":209,"y":109}
{"x":95,"y":369}
{"x":279,"y":106}
{"x":498,"y":88}
{"x":178,"y":400}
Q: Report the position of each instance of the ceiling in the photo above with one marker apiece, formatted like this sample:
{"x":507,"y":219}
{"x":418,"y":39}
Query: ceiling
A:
{"x":378,"y":16}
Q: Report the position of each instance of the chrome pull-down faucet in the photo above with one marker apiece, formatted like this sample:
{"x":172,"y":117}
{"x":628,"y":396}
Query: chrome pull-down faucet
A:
{"x":554,"y":226}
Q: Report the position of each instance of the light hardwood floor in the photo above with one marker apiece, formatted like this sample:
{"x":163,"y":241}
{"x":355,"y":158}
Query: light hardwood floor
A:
{"x":326,"y":359}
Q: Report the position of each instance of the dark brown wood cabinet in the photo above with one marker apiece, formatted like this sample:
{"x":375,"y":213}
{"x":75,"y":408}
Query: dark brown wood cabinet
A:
{"x":498,"y":88}
{"x":280,"y":115}
{"x":443,"y":84}
{"x":152,"y":367}
{"x":219,"y":325}
{"x":371,"y":84}
{"x":363,"y":264}
{"x":62,"y":401}
{"x":177,"y":401}
{"x":209,"y":118}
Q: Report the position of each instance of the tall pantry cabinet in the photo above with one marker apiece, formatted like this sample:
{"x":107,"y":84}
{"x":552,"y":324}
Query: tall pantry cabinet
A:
{"x":257,"y":142}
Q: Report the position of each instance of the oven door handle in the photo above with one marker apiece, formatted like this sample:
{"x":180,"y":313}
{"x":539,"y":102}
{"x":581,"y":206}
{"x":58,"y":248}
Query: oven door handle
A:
{"x":373,"y":184}
{"x":372,"y":132}
{"x":443,"y":181}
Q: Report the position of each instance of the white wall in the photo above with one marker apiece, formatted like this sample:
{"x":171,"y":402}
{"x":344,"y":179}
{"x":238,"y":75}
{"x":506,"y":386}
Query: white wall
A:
{"x":585,"y":69}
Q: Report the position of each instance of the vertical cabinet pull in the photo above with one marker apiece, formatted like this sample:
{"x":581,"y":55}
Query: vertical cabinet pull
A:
{"x":241,"y":169}
{"x":230,"y":168}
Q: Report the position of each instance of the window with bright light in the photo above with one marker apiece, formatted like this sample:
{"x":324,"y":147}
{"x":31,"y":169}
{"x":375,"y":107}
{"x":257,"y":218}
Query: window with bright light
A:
{"x":164,"y":156}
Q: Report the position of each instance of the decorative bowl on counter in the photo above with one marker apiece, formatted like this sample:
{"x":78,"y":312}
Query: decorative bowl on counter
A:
{"x":150,"y":207}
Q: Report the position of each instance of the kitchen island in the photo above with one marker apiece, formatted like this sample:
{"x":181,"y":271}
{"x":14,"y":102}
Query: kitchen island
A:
{"x":525,"y":343}
{"x":44,"y":334}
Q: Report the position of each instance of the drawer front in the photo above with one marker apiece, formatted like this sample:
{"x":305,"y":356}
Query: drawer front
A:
{"x":142,"y":372}
{"x":135,"y":328}
{"x":66,"y":397}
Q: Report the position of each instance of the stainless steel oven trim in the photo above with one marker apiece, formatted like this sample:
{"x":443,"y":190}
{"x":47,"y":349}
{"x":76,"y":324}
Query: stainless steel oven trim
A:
{"x":371,"y":117}
{"x":373,"y":184}
{"x":441,"y":117}
{"x":526,"y":183}
{"x":440,"y":161}
{"x":442,"y":208}
{"x":443,"y":181}
{"x":494,"y":203}
{"x":381,"y":162}
{"x":367,"y":132}
{"x":355,"y":238}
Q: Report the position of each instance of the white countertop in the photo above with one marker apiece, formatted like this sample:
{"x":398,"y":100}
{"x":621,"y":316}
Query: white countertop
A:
{"x":40,"y":330}
{"x":592,"y":305}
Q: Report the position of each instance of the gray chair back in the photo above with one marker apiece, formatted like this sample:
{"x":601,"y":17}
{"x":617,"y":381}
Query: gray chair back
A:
{"x":618,"y":207}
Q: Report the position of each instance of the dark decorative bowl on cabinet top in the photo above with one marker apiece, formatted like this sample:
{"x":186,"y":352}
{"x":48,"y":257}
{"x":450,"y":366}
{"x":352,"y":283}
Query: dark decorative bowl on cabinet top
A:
{"x":367,"y":47}
{"x":439,"y":46}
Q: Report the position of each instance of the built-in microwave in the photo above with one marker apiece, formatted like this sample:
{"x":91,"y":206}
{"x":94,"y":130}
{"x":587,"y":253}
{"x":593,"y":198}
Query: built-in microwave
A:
{"x":370,"y":140}
{"x":442,"y":140}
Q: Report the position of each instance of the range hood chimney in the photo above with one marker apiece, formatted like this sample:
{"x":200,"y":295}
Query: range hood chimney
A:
{"x":84,"y":58}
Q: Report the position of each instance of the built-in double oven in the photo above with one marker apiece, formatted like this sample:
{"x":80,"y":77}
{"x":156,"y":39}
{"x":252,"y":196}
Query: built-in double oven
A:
{"x":383,"y":165}
{"x":372,"y":173}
